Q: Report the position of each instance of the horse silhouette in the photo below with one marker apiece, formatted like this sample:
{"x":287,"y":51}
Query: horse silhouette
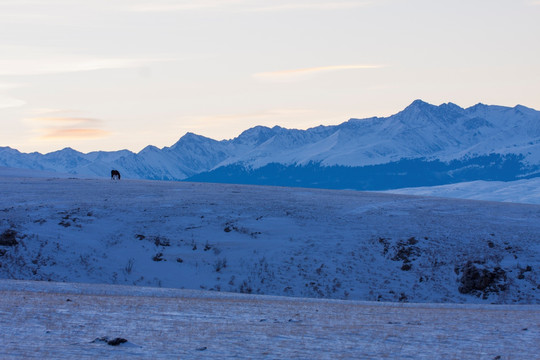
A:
{"x":115,"y":174}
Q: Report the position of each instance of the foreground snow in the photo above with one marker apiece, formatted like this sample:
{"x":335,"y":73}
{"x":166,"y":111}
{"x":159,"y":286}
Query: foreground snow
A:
{"x":67,"y":321}
{"x":268,"y":240}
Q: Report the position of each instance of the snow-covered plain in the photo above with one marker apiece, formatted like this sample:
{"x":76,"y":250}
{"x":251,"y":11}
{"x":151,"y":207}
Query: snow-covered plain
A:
{"x":65,"y":321}
{"x":398,"y":260}
{"x":268,"y":240}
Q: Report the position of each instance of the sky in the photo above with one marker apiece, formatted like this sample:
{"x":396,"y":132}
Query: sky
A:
{"x":123,"y":74}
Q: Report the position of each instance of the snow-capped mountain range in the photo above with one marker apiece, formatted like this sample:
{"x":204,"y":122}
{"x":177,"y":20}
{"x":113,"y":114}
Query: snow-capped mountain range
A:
{"x":422,"y":145}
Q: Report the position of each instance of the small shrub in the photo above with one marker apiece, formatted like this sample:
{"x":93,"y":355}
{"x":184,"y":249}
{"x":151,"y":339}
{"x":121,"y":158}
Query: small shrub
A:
{"x":162,"y":241}
{"x":129,"y":266}
{"x":522,"y":272}
{"x":158,"y":257}
{"x":64,"y":223}
{"x":8,"y":238}
{"x":116,"y":341}
{"x":113,"y":342}
{"x":412,"y":241}
{"x":220,"y":264}
{"x":384,"y":242}
{"x":245,"y":288}
{"x":405,"y":253}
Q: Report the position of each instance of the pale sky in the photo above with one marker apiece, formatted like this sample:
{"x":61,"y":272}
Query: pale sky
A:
{"x":123,"y":74}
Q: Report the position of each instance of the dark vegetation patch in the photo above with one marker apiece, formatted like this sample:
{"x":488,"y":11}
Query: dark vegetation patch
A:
{"x":161,"y":241}
{"x":112,"y":342}
{"x":406,"y":267}
{"x":8,"y":238}
{"x":157,"y":240}
{"x":64,"y":223}
{"x":404,"y":250}
{"x":480,"y":279}
{"x":158,"y":257}
{"x":522,"y":272}
{"x":230,"y":226}
{"x":70,"y":218}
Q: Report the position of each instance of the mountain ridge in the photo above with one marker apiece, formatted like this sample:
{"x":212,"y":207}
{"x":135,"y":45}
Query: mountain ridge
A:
{"x":446,"y":132}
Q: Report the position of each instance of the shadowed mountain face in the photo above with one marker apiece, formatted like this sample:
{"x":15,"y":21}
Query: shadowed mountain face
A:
{"x":422,"y":145}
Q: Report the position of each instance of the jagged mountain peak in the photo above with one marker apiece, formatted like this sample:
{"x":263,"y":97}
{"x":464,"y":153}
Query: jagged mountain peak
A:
{"x":189,"y":136}
{"x":257,"y":135}
{"x":419,"y":105}
{"x":66,"y":150}
{"x":148,"y":149}
{"x":190,"y":139}
{"x":451,"y":106}
{"x":526,"y":110}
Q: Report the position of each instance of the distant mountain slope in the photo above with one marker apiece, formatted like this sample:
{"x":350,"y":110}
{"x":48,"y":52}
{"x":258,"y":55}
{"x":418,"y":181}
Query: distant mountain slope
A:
{"x":521,"y":191}
{"x":478,"y":143}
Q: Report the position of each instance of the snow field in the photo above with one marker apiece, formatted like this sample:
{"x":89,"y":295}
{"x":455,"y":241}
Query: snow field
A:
{"x":267,"y":240}
{"x":63,"y":321}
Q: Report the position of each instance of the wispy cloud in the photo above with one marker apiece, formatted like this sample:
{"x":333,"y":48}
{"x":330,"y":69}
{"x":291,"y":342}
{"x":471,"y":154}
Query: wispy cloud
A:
{"x":69,"y":127}
{"x":35,"y":61}
{"x":298,"y":74}
{"x":244,"y":5}
{"x":7,"y":102}
{"x":67,"y":120}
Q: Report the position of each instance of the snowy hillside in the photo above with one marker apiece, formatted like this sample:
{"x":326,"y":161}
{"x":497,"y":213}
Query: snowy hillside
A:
{"x":521,"y":191}
{"x":422,"y":145}
{"x":269,"y":240}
